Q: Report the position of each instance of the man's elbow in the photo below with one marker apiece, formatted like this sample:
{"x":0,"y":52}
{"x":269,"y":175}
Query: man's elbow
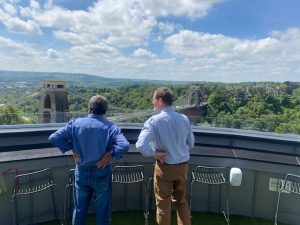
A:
{"x":124,"y":146}
{"x":139,"y":146}
{"x":51,"y":139}
{"x":142,"y":150}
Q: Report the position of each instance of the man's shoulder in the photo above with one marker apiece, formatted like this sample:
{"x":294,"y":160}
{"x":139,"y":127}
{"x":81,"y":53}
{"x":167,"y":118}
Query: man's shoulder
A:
{"x":155,"y":118}
{"x":79,"y":120}
{"x":93,"y":120}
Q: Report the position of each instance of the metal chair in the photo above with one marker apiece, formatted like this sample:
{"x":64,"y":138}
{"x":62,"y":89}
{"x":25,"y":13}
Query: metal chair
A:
{"x":150,"y":192}
{"x":132,"y":175}
{"x":291,"y":184}
{"x":68,"y":196}
{"x":211,"y":176}
{"x":30,"y":184}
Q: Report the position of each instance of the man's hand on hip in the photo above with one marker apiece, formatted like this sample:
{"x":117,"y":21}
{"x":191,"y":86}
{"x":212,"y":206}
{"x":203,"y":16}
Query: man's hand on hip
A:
{"x":76,"y":157}
{"x":104,"y":161}
{"x":160,"y":156}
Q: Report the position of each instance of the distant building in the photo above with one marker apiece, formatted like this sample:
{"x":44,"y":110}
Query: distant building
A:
{"x":21,"y":84}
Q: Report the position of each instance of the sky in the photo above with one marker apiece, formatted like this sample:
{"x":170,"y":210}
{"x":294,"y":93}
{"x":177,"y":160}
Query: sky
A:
{"x":183,"y":40}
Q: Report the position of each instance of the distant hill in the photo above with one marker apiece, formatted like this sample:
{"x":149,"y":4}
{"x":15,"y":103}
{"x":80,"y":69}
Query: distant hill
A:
{"x":34,"y":79}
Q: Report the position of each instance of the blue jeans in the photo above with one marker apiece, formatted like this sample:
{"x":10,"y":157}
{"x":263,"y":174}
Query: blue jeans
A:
{"x":91,"y":181}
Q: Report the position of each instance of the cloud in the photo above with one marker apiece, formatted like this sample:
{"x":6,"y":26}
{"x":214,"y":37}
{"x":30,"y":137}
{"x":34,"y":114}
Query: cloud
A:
{"x":192,"y":44}
{"x":193,"y":9}
{"x":75,"y":38}
{"x":100,"y":39}
{"x":102,"y":20}
{"x":16,"y":49}
{"x":18,"y":56}
{"x":242,"y":59}
{"x":168,"y":28}
{"x":143,"y":53}
{"x":192,"y":56}
{"x":9,"y":9}
{"x":133,"y":27}
{"x":94,"y":51}
{"x":52,"y":54}
{"x":14,"y":24}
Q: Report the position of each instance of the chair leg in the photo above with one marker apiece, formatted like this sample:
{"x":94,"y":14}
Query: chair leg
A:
{"x":150,"y":193}
{"x":277,"y":207}
{"x":16,"y":215}
{"x":190,"y":200}
{"x":31,"y":208}
{"x":53,"y":203}
{"x":65,"y":207}
{"x":146,"y":211}
{"x":226,"y":214}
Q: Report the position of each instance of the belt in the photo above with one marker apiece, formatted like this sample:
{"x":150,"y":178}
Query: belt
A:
{"x":173,"y":164}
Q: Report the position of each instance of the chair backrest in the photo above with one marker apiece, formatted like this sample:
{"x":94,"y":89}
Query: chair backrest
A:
{"x":71,"y":177}
{"x":210,"y":175}
{"x":33,"y":182}
{"x":291,"y":183}
{"x":128,"y":174}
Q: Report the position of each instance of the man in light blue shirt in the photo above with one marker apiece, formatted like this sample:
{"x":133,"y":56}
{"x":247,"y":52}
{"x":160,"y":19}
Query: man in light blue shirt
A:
{"x":94,"y":141}
{"x":168,"y":137}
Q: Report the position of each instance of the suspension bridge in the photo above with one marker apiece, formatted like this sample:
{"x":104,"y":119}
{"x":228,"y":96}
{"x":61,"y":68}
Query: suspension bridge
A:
{"x":192,"y":109}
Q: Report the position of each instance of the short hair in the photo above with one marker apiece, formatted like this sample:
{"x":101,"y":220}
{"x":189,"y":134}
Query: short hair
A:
{"x":165,"y":94}
{"x":98,"y":105}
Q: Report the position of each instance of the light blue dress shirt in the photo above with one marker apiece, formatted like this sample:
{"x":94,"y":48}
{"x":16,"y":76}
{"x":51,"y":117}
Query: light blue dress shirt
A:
{"x":170,"y":132}
{"x":90,"y":137}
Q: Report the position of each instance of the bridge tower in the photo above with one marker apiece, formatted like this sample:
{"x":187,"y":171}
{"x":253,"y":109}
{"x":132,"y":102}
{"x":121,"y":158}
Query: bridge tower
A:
{"x":196,"y":96}
{"x":53,"y":102}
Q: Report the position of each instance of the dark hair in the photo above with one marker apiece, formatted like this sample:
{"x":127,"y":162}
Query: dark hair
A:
{"x":98,"y":105}
{"x":165,"y":94}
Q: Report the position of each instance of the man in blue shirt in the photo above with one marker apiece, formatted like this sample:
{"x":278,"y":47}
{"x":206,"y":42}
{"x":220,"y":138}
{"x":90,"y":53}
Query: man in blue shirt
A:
{"x":168,"y":137}
{"x":94,"y":141}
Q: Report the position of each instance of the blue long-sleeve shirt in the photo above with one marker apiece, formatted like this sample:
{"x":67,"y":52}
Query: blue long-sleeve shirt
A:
{"x":90,"y":138}
{"x":170,"y":132}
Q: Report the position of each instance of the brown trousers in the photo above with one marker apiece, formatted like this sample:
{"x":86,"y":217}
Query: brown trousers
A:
{"x":170,"y":186}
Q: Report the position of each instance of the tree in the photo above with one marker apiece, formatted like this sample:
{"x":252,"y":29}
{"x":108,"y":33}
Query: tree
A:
{"x":9,"y":115}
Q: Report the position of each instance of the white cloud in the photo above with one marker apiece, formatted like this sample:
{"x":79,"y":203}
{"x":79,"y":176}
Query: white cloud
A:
{"x":13,"y":48}
{"x":115,"y":22}
{"x":55,"y":17}
{"x":101,"y":21}
{"x":75,"y":38}
{"x":10,"y":9}
{"x":223,"y":56}
{"x":34,"y":4}
{"x":193,"y":9}
{"x":97,"y":40}
{"x":52,"y":54}
{"x":14,"y":24}
{"x":168,"y":28}
{"x":122,"y":23}
{"x":203,"y":45}
{"x":94,"y":51}
{"x":142,"y":53}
